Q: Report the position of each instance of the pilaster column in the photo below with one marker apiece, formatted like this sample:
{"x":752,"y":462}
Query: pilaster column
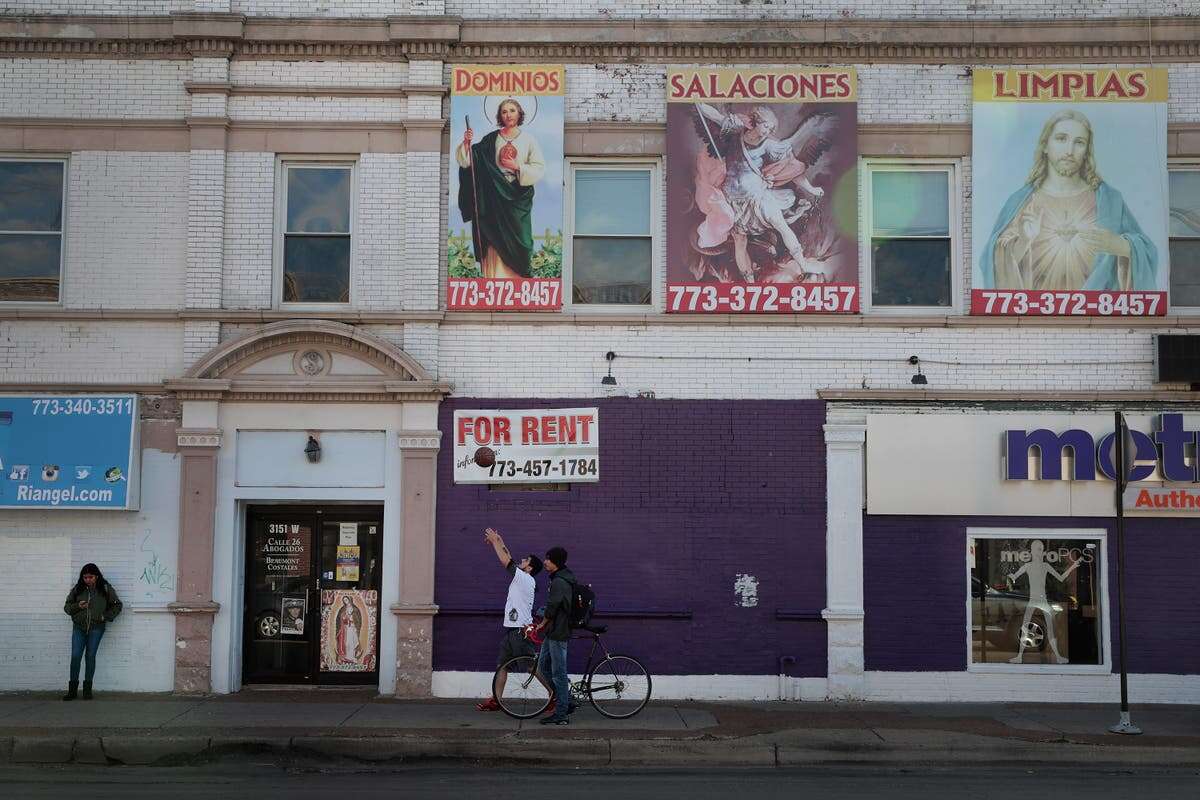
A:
{"x":844,"y":559}
{"x":425,"y":163}
{"x":415,"y":611}
{"x":208,"y":123}
{"x":194,"y":607}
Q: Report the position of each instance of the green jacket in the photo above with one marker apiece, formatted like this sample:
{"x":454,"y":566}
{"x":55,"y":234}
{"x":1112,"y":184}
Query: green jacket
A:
{"x":558,"y":604}
{"x":102,"y":607}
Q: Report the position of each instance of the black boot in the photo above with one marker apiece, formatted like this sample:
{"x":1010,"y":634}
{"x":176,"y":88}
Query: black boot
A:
{"x":87,"y":690}
{"x":71,"y":693}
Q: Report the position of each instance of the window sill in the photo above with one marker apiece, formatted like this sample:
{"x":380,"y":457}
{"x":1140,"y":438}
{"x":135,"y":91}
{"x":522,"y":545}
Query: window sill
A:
{"x":1040,"y":669}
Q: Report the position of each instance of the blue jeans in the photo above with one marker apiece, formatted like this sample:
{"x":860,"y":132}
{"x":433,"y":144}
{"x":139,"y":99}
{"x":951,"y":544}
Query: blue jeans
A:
{"x":552,"y":661}
{"x":85,"y":642}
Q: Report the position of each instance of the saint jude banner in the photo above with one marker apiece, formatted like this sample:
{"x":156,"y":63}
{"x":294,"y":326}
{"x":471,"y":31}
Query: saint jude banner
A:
{"x":762,"y":198}
{"x":504,"y":244}
{"x":1069,"y":192}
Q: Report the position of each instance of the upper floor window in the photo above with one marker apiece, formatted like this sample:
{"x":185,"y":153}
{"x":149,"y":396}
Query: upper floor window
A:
{"x":31,"y":230}
{"x":611,"y":225}
{"x":911,"y":242}
{"x":317,"y":238}
{"x":1185,"y":234}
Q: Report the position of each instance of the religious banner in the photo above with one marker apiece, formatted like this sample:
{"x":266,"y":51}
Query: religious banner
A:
{"x":762,"y":193}
{"x":1069,"y":192}
{"x":348,"y":622}
{"x":504,"y":244}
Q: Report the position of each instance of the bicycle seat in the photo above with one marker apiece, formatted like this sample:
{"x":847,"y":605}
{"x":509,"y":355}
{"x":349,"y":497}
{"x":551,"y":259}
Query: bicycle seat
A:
{"x":596,"y":628}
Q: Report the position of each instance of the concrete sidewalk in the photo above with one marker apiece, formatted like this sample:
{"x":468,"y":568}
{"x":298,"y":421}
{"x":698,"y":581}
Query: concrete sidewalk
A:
{"x":357,"y":726}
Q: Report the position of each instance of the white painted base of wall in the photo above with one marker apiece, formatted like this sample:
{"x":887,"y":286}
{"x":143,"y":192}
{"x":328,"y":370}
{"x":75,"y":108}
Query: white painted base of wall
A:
{"x":665,"y":687}
{"x":973,"y":687}
{"x":925,"y":687}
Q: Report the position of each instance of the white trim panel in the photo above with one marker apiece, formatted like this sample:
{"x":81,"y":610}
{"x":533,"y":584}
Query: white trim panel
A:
{"x":983,"y":687}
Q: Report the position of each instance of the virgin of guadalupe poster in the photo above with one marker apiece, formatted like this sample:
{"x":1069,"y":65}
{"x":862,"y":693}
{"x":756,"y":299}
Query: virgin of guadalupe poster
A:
{"x":504,"y":244}
{"x":762,"y":195}
{"x":348,"y":623}
{"x":1069,"y":192}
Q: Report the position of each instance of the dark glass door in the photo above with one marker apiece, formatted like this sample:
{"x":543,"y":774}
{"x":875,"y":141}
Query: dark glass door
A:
{"x":312,"y":595}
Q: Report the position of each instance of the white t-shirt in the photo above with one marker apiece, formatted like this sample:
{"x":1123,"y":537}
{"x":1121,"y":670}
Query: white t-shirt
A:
{"x":518,"y":608}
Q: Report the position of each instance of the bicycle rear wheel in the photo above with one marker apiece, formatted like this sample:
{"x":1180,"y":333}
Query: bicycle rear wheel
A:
{"x":523,"y":695}
{"x":619,"y":687}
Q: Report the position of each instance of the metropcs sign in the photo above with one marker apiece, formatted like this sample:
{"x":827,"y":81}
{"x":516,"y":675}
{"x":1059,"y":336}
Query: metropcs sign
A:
{"x":1164,"y":451}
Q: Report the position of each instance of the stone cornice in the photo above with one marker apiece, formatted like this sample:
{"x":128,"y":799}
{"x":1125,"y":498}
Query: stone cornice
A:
{"x":419,"y":440}
{"x":198,"y":437}
{"x":323,"y":391}
{"x":199,"y":607}
{"x":354,"y":317}
{"x":413,"y":609}
{"x":231,"y":90}
{"x":939,"y":41}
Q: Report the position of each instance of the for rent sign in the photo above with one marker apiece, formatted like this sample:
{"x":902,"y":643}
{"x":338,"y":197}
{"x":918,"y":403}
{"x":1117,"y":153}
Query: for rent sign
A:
{"x":545,"y":445}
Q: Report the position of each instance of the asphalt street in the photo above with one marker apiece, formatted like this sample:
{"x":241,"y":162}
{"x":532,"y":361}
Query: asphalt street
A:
{"x":267,"y":781}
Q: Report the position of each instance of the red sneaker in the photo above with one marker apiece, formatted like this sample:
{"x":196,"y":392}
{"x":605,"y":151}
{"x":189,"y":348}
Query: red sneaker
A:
{"x":489,"y":705}
{"x":550,"y":708}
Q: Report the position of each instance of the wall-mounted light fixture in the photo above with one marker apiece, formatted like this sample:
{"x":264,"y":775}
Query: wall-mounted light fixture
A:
{"x":312,"y":450}
{"x":609,"y":380}
{"x":919,"y":379}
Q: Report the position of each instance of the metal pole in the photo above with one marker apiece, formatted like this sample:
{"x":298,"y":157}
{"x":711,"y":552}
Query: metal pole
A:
{"x":1122,"y":469}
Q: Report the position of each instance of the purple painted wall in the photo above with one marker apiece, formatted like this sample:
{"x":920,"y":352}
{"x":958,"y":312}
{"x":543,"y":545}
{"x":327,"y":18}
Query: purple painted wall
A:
{"x":691,"y":493}
{"x":914,"y":575}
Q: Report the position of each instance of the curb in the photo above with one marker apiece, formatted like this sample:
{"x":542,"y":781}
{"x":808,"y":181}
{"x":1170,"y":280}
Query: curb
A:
{"x":151,"y":750}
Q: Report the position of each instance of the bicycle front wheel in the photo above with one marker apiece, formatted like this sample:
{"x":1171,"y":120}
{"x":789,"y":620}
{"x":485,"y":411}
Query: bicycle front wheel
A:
{"x":521,"y":692}
{"x":619,"y":687}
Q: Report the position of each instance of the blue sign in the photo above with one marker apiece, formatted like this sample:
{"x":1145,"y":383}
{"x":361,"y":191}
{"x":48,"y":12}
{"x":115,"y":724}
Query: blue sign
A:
{"x":68,"y":451}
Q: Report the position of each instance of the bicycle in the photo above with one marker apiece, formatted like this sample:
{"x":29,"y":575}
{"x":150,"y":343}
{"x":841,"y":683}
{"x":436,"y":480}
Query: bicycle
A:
{"x":618,"y":686}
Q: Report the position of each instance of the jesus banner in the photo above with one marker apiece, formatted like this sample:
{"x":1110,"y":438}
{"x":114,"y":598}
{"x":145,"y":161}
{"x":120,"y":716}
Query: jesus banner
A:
{"x":1069,"y":192}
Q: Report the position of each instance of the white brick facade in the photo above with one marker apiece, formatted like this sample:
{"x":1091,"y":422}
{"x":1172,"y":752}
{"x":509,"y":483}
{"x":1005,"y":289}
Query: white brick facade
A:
{"x":628,"y":9}
{"x":354,"y":109}
{"x":93,"y":88}
{"x":804,"y":10}
{"x":90,"y":351}
{"x":126,"y":242}
{"x":137,"y":554}
{"x":185,"y":243}
{"x":249,"y":226}
{"x":784,"y":362}
{"x":380,"y":74}
{"x":380,"y":231}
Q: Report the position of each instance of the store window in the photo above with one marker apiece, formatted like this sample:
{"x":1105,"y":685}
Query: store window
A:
{"x":1185,"y":235}
{"x":912,"y":223}
{"x":316,"y":247}
{"x":1037,"y":599}
{"x":31,"y":230}
{"x":611,"y":224}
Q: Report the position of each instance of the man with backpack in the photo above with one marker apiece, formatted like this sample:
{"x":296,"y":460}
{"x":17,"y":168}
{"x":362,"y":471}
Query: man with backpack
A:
{"x":557,"y":623}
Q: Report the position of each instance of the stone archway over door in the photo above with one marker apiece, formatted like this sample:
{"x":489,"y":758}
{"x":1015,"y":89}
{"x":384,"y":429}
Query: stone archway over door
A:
{"x":305,"y":361}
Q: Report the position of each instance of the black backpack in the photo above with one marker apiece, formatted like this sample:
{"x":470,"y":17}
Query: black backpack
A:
{"x":583,"y":604}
